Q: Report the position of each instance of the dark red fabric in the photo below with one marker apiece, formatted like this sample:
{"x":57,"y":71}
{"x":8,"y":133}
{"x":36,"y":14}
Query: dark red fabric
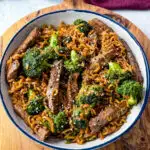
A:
{"x":121,"y":4}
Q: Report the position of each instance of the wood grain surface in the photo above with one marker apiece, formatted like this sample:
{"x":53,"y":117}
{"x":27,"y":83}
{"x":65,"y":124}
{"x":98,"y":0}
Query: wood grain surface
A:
{"x":138,"y":138}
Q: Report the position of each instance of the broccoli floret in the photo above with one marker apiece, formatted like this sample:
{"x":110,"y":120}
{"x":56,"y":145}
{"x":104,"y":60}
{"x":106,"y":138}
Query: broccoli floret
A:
{"x":66,"y":40}
{"x":77,"y":112}
{"x":71,"y":67}
{"x":83,"y":26}
{"x":116,"y":72}
{"x":80,"y":123}
{"x":132,"y":101}
{"x":86,"y":112}
{"x":74,"y":64}
{"x":60,"y":121}
{"x":96,"y":89}
{"x":35,"y":106}
{"x":50,"y":53}
{"x":89,"y":94}
{"x":79,"y":21}
{"x":90,"y":89}
{"x":132,"y":89}
{"x":54,"y":40}
{"x":55,"y":45}
{"x":31,"y":94}
{"x":62,"y":50}
{"x":77,"y":121}
{"x":84,"y":29}
{"x":127,"y":75}
{"x":91,"y":99}
{"x":74,"y":57}
{"x":35,"y":61}
{"x":46,"y":124}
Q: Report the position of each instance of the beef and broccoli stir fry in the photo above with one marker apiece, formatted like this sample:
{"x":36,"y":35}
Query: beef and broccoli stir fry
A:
{"x":77,"y":81}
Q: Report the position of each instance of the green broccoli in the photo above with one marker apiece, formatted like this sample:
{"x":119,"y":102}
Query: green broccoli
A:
{"x":54,"y":40}
{"x":116,"y":72}
{"x":35,"y":61}
{"x":132,"y":89}
{"x":31,"y":94}
{"x":46,"y":124}
{"x":77,"y":120}
{"x":86,"y":112}
{"x":54,"y":44}
{"x":50,"y":53}
{"x":90,"y":89}
{"x":127,"y":75}
{"x":80,"y":123}
{"x":83,"y":26}
{"x":35,"y":106}
{"x":63,"y":50}
{"x":89,"y":94}
{"x":60,"y":121}
{"x":74,"y":64}
{"x":77,"y":112}
{"x":96,"y":89}
{"x":66,"y":40}
{"x":79,"y":21}
{"x":91,"y":99}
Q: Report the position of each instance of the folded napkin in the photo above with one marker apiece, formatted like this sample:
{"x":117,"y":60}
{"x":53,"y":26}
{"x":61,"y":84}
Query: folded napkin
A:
{"x":121,"y":4}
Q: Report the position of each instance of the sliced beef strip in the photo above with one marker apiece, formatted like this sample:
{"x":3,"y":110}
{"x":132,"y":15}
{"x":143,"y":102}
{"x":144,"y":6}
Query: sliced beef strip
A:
{"x":99,"y":26}
{"x":93,"y":38}
{"x":22,"y":113}
{"x":72,"y":89}
{"x":41,"y":132}
{"x":12,"y":69}
{"x":107,"y":115}
{"x":136,"y":70}
{"x":33,"y":35}
{"x":53,"y":86}
{"x":103,"y":58}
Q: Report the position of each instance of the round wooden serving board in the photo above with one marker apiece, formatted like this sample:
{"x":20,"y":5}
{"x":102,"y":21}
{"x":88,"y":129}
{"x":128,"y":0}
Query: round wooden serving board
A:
{"x":138,"y":138}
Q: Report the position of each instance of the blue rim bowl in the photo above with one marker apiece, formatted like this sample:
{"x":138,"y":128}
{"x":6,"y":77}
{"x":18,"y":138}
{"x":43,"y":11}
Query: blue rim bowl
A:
{"x":146,"y":92}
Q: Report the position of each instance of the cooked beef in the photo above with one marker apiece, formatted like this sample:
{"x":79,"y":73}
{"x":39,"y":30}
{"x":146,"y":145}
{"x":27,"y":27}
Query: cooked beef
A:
{"x":72,"y":89}
{"x":99,"y":26}
{"x":103,"y":58}
{"x":136,"y":70}
{"x":13,"y":67}
{"x":22,"y":113}
{"x":33,"y":35}
{"x":41,"y":131}
{"x":107,"y":115}
{"x":93,"y":39}
{"x":53,"y":86}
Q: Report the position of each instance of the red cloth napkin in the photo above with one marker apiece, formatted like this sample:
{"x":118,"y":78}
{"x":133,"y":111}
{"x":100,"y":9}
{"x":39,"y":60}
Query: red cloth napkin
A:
{"x":121,"y":4}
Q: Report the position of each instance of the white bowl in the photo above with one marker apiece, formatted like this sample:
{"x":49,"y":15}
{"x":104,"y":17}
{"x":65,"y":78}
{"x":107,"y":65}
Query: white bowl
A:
{"x":69,"y":16}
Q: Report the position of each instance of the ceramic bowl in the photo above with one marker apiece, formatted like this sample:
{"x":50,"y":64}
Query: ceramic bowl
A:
{"x":69,"y":16}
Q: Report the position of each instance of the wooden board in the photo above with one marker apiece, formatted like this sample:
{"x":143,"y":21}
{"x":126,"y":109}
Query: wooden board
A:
{"x":136,"y":139}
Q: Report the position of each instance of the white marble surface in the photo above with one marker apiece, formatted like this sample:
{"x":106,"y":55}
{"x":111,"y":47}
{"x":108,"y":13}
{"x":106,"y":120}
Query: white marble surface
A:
{"x":13,"y":10}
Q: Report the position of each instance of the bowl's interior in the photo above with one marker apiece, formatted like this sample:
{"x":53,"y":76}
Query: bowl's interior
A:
{"x":69,"y":17}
